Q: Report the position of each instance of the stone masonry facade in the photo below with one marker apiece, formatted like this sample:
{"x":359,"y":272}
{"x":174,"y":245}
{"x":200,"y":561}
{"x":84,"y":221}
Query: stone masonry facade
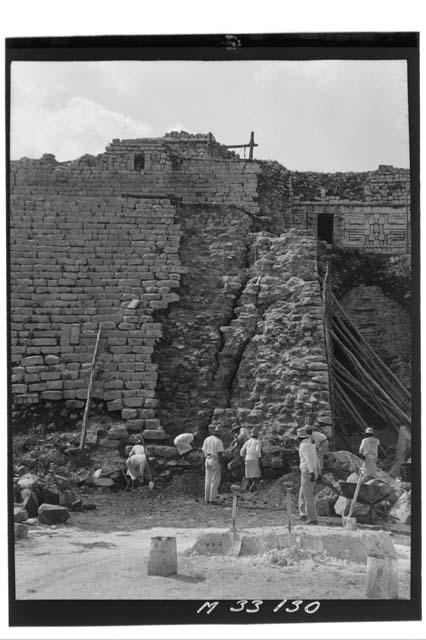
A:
{"x":370,"y":211}
{"x":96,"y":241}
{"x":200,"y":267}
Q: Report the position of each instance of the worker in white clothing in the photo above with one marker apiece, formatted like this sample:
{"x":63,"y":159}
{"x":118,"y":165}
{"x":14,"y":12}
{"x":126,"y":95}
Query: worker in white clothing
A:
{"x":136,"y":462}
{"x":369,"y":452}
{"x":212,"y":450}
{"x":251,"y":451}
{"x":321,"y":445}
{"x":184,"y":442}
{"x":308,"y":474}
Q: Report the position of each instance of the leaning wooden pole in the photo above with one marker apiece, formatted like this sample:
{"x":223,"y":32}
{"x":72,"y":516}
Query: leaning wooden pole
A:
{"x":358,"y":367}
{"x":328,"y":343}
{"x":370,"y":349}
{"x":362,"y":392}
{"x":89,"y":389}
{"x":368,"y":363}
{"x":351,"y":407}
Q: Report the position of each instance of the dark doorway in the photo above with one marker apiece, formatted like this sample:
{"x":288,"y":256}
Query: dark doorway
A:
{"x":325,"y":227}
{"x":139,"y":161}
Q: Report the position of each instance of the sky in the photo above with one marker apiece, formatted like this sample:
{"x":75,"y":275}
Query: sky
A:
{"x":323,"y":115}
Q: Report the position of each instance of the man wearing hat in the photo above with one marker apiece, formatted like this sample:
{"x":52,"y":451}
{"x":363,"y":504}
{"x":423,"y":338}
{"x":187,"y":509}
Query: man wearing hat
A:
{"x":212,"y":450}
{"x":308,"y":473}
{"x":251,"y":451}
{"x":369,"y":452}
{"x":321,"y":445}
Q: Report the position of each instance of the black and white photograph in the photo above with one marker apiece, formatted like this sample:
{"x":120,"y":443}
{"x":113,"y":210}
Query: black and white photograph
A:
{"x":213,"y":328}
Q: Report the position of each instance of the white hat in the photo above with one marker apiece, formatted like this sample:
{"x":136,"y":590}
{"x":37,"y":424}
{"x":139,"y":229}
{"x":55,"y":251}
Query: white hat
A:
{"x":301,"y":433}
{"x":369,"y":430}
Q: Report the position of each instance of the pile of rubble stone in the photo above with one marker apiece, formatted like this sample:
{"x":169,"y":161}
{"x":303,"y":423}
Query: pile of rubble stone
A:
{"x":345,"y":466}
{"x":51,"y":472}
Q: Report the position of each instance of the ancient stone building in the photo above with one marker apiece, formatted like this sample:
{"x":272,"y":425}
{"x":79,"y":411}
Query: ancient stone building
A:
{"x":366,"y":211}
{"x":201,"y":268}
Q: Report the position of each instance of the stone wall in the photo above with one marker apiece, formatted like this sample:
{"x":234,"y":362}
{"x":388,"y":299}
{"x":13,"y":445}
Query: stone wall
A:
{"x":95,"y":241}
{"x":77,"y":262}
{"x":208,"y":295}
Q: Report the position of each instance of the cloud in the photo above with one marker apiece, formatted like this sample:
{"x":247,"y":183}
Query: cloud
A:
{"x":77,"y":127}
{"x":320,"y":115}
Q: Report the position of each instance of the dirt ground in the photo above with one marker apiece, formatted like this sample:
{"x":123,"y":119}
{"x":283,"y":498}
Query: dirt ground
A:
{"x":103,"y":554}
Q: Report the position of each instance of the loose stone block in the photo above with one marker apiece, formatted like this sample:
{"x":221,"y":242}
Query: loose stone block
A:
{"x":52,"y":514}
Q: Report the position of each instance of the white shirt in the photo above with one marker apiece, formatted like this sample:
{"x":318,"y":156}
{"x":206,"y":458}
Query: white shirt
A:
{"x":251,"y":450}
{"x":183,"y":442}
{"x":318,"y":438}
{"x":212,"y":446}
{"x":370,"y":447}
{"x":308,"y":456}
{"x":137,"y":450}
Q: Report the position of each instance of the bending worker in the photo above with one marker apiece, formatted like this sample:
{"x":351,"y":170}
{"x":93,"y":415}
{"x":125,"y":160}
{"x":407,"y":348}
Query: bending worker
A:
{"x":369,"y":452}
{"x":184,"y":442}
{"x":136,"y":462}
{"x":308,"y":474}
{"x":212,"y":450}
{"x":321,"y":445}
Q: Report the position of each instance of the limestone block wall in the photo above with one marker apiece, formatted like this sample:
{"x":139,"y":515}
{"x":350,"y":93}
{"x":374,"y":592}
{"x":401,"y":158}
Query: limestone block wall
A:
{"x":90,"y":242}
{"x":78,"y":261}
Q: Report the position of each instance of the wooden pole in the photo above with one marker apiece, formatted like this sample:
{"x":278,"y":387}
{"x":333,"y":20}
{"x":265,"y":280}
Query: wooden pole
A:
{"x":374,"y":355}
{"x":356,"y":494}
{"x":370,"y":379}
{"x":234,"y":512}
{"x":351,"y":407}
{"x":369,"y":348}
{"x":89,"y":389}
{"x":369,"y":364}
{"x":328,"y":345}
{"x":361,"y":392}
{"x":251,"y":146}
{"x":289,"y":514}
